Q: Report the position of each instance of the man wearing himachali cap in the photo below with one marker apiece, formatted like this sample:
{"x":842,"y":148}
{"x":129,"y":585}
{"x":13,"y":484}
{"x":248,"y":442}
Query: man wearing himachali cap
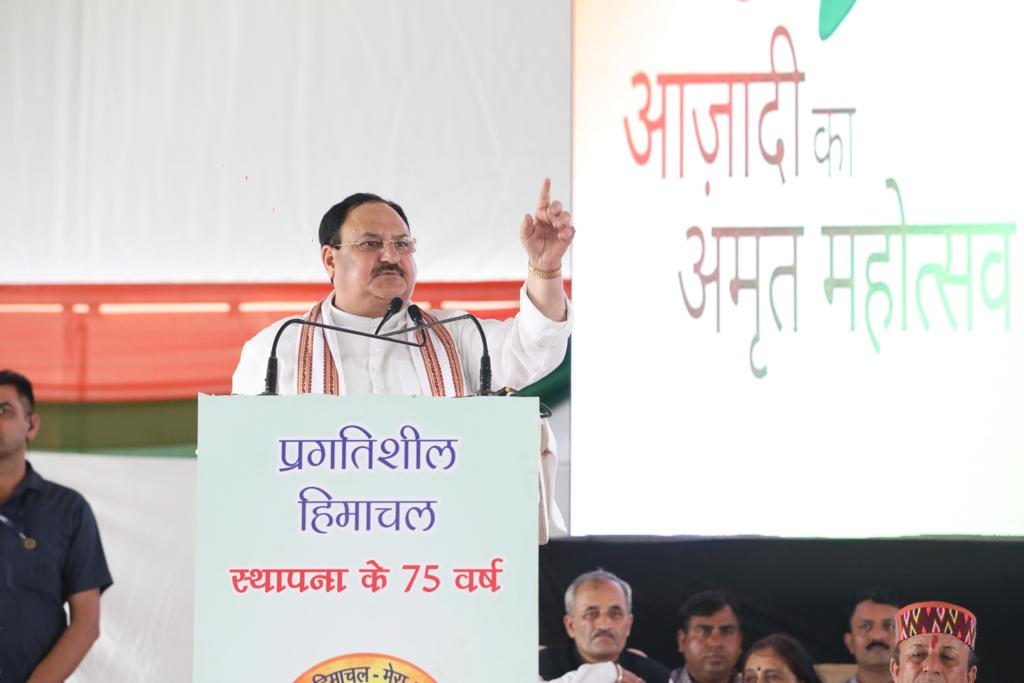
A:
{"x":935,"y":644}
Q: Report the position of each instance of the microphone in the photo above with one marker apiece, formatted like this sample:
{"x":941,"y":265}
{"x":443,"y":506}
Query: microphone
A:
{"x":420,"y":325}
{"x":416,"y":314}
{"x":270,"y":383}
{"x":485,"y":359}
{"x":394,"y":306}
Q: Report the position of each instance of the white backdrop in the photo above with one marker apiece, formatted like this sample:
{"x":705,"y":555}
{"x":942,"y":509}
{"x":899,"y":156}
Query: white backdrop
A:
{"x":203,"y":141}
{"x":146,"y":511}
{"x":887,"y":411}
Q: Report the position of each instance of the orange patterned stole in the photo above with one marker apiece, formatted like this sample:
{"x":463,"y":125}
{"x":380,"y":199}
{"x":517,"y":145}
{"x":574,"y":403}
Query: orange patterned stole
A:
{"x":317,"y":372}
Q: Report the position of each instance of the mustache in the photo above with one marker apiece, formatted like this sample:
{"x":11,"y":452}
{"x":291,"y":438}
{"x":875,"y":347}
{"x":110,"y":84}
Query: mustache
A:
{"x":388,"y":268}
{"x":879,"y":643}
{"x":602,"y":632}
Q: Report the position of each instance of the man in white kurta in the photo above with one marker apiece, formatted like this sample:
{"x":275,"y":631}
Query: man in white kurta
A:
{"x":366,"y":248}
{"x":523,"y":349}
{"x":367,"y":251}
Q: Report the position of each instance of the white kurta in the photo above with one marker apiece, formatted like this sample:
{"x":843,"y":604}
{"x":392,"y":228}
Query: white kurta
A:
{"x":606,"y":672}
{"x":523,"y":349}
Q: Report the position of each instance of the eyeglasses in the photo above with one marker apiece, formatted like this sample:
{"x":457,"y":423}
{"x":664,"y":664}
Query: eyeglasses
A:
{"x":403,"y":245}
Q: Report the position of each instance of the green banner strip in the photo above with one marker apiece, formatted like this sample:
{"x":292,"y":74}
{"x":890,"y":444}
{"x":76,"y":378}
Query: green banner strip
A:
{"x":160,"y":428}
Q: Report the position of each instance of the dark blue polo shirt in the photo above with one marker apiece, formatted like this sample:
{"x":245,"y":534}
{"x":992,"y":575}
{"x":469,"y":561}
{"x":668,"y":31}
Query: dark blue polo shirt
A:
{"x":67,"y":558}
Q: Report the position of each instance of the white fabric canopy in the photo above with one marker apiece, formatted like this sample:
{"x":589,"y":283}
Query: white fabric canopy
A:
{"x":203,"y":141}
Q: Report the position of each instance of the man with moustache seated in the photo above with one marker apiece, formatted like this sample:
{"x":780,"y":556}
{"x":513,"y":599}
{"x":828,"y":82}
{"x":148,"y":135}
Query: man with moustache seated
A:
{"x":709,"y":638}
{"x":871,"y":634}
{"x":598,"y":618}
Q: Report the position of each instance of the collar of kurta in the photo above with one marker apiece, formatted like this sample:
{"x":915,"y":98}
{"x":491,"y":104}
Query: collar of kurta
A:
{"x":437,"y":362}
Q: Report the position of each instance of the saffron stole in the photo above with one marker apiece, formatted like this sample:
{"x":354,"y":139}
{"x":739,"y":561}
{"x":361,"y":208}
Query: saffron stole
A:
{"x":317,"y":372}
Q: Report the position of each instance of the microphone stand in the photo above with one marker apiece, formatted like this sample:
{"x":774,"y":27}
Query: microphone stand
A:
{"x":271,"y":379}
{"x":485,"y":359}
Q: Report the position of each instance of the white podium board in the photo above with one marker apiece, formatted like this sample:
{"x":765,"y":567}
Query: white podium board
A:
{"x":366,"y":538}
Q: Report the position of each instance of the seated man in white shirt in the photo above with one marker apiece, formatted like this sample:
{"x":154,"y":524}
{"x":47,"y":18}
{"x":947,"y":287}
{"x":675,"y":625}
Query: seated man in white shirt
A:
{"x":367,"y":251}
{"x":598,"y":619}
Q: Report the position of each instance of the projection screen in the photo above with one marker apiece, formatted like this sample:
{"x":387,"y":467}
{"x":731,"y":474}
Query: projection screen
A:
{"x":797,"y":278}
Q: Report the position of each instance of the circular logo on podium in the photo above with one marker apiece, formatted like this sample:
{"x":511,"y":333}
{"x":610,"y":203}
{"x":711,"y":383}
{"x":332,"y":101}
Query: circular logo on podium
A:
{"x":370,"y":667}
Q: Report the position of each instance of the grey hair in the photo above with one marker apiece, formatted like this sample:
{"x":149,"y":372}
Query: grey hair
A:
{"x":596,"y":576}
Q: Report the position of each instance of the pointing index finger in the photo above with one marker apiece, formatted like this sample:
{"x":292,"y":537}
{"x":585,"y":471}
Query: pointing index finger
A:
{"x":545,"y":195}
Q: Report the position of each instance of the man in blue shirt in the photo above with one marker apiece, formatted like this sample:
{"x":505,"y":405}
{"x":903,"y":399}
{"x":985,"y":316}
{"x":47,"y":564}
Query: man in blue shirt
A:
{"x":50,"y":554}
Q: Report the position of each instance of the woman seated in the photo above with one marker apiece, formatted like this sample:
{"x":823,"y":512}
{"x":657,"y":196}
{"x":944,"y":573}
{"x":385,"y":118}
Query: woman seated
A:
{"x":778,"y":658}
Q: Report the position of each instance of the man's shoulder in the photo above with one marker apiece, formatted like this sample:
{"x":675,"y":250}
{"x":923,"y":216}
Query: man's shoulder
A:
{"x":442,"y":313}
{"x":557,"y":652}
{"x":644,"y":667}
{"x":456,"y":327}
{"x":681,"y":675}
{"x":561,"y":659}
{"x":55,"y":493}
{"x":250,"y":373}
{"x":557,"y":660}
{"x":266,"y":335}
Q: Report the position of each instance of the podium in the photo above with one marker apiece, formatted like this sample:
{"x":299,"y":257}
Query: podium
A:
{"x":366,"y":538}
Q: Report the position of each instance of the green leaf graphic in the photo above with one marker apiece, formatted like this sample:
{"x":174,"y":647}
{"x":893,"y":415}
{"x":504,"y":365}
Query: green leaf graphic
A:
{"x":831,"y":15}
